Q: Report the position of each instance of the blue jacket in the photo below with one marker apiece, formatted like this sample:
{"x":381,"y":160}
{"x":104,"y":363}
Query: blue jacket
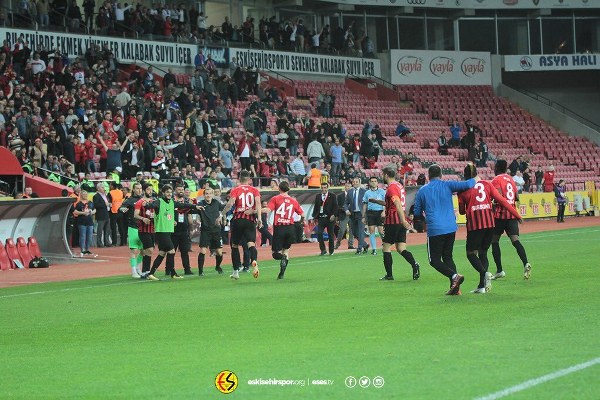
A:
{"x":435,"y":200}
{"x":455,"y":130}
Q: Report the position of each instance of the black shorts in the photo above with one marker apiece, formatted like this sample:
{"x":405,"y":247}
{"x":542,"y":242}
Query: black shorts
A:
{"x":242,"y":231}
{"x":510,"y":226}
{"x":283,"y":237}
{"x":147,"y":239}
{"x":211,"y":239}
{"x":374,"y":218}
{"x":182,"y":241}
{"x":394,"y":233}
{"x":480,"y":239}
{"x":163,"y":241}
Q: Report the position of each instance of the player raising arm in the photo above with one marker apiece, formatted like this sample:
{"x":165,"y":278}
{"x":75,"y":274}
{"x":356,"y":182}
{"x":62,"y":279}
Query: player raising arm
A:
{"x":164,"y":226}
{"x":476,"y":204}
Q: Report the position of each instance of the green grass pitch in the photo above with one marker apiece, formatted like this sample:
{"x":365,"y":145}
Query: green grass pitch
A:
{"x":329,"y":319}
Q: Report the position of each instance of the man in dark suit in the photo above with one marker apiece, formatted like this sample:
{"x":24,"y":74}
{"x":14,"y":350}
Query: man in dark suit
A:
{"x":343,"y":218}
{"x":353,"y":208}
{"x":325,"y":211}
{"x":101,"y":202}
{"x":60,"y":127}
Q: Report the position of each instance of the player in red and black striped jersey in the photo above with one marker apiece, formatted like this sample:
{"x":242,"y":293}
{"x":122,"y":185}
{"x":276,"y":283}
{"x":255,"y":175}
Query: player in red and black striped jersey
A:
{"x":284,"y":231}
{"x":476,"y":203}
{"x":506,"y":222}
{"x":395,"y":225}
{"x":245,"y":200}
{"x":133,"y":238}
{"x":145,"y":219}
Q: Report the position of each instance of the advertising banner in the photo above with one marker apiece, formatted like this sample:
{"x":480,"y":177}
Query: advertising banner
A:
{"x":536,"y":205}
{"x":125,"y":50}
{"x":552,"y":62}
{"x":477,"y":4}
{"x":302,"y":63}
{"x":421,"y":67}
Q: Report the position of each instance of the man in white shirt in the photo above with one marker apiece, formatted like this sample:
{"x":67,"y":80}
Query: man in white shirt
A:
{"x":299,"y":169}
{"x":315,"y":151}
{"x":120,"y":13}
{"x":37,"y":65}
{"x":518,"y":178}
{"x":201,"y":22}
{"x":124,"y":97}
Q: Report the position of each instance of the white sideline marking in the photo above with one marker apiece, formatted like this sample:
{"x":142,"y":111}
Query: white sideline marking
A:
{"x":140,"y":281}
{"x":538,"y":236}
{"x":68,"y":289}
{"x":537,"y":381}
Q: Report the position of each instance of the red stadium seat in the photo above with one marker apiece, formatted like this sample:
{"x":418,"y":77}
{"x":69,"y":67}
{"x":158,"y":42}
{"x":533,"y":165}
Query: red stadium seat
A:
{"x":5,"y":263}
{"x":34,"y":248}
{"x":13,"y":254}
{"x":23,"y":251}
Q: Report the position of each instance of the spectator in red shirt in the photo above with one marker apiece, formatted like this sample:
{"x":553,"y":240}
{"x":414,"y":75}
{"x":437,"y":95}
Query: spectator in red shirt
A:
{"x":244,"y":150}
{"x":548,"y":180}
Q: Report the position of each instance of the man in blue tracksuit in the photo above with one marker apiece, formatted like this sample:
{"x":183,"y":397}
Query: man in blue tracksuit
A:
{"x":435,"y":201}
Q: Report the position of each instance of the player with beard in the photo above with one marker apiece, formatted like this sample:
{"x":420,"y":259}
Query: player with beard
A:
{"x":135,"y":244}
{"x":476,"y":204}
{"x":210,"y":230}
{"x":284,"y":232}
{"x":395,"y":224}
{"x":164,"y":225}
{"x":181,"y":236}
{"x":145,"y":220}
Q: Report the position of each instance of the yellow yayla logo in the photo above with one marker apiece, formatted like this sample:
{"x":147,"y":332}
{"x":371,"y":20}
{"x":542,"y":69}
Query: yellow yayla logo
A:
{"x":226,"y":381}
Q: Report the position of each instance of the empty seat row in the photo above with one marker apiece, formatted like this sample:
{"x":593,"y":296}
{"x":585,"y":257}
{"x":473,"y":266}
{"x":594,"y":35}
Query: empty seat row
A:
{"x":18,"y":255}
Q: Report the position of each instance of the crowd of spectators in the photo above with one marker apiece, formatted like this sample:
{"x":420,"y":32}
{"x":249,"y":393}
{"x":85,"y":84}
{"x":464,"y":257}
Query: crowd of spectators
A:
{"x":185,"y":24}
{"x":64,"y":117}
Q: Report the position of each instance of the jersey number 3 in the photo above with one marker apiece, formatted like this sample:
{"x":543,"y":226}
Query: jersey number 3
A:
{"x":481,"y":190}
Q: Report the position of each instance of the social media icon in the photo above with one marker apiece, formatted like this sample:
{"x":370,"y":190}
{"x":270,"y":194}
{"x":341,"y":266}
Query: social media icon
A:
{"x":378,"y":382}
{"x":350,"y":381}
{"x":364,"y":381}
